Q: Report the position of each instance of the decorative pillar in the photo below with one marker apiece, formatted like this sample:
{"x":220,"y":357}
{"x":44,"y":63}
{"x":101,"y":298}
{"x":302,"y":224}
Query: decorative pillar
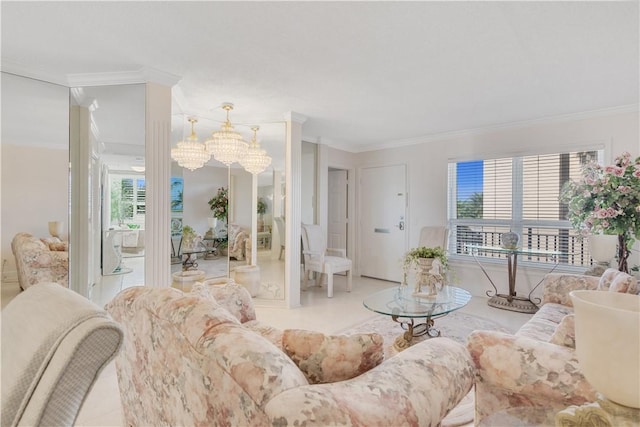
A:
{"x":293,"y":161}
{"x":254,"y":220}
{"x":157,"y":260}
{"x":80,"y":244}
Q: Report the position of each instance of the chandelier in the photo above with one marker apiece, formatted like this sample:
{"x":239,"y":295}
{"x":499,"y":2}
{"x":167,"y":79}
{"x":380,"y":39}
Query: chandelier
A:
{"x":256,"y":160}
{"x":190,"y":153}
{"x":226,"y":145}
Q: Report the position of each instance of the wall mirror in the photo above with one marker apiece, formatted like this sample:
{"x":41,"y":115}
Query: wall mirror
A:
{"x":226,"y":243}
{"x":107,"y":187}
{"x":35,"y":161}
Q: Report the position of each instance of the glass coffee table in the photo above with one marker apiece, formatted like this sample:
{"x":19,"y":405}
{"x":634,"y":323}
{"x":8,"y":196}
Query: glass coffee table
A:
{"x":409,"y":310}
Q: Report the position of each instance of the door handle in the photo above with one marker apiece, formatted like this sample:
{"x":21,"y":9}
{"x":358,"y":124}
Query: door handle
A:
{"x":401,"y":225}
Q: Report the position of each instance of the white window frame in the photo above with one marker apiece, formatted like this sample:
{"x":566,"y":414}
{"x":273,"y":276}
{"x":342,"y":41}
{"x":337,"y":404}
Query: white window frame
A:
{"x":517,"y":222}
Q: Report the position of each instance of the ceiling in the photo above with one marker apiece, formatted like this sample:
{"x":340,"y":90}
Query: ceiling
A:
{"x":365,"y":74}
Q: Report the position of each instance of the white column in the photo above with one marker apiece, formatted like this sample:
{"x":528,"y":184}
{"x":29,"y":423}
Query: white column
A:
{"x":80,"y":244}
{"x":292,"y":207}
{"x":157,"y":260}
{"x":254,"y":219}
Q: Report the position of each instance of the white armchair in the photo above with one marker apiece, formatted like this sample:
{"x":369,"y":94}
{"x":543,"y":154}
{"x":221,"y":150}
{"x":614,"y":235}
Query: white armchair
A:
{"x":319,"y":259}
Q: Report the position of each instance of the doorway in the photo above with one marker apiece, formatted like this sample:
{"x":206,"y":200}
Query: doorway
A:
{"x":338,"y":211}
{"x":383,"y":205}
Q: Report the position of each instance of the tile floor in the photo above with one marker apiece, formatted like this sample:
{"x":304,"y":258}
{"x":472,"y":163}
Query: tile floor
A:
{"x":102,"y":407}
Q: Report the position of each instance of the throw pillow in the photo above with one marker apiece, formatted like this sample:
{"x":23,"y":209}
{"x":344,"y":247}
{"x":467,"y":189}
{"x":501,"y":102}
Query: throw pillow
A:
{"x":59,"y":246}
{"x":326,"y":359}
{"x":616,"y":281}
{"x":565,"y":333}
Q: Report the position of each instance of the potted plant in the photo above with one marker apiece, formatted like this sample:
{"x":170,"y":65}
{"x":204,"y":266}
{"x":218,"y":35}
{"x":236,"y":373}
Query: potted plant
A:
{"x":219,"y":204}
{"x":262,"y":209}
{"x":421,"y":259}
{"x":412,"y":257}
{"x":188,"y":237}
{"x":606,"y":200}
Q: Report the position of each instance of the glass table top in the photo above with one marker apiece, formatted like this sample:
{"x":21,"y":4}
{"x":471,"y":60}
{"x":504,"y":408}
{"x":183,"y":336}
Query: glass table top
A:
{"x":400,"y":302}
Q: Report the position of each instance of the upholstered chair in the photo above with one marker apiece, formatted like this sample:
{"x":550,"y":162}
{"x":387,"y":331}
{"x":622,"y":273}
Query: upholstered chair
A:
{"x":201,"y":358}
{"x":322,"y":260}
{"x":55,"y":343}
{"x":237,"y":242}
{"x":538,"y":365}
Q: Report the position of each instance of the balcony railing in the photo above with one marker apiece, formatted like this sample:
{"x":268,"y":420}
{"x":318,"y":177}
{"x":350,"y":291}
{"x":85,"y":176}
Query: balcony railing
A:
{"x":574,"y":249}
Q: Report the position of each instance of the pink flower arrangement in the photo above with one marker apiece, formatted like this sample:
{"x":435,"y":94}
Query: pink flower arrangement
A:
{"x":606,"y":200}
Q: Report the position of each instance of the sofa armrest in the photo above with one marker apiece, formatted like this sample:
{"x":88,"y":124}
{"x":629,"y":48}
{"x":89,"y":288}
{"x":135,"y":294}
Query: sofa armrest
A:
{"x":520,"y":371}
{"x":419,"y":386}
{"x":38,"y":266}
{"x":556,"y":287}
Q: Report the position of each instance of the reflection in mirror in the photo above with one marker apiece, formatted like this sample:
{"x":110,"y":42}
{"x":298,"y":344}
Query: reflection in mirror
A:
{"x":199,"y":212}
{"x":108,"y":188}
{"x":218,"y":204}
{"x":35,"y":166}
{"x":269,"y":197}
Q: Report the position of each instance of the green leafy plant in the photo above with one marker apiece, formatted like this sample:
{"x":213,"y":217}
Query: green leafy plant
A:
{"x":219,"y":204}
{"x":188,"y":231}
{"x":411,"y":257}
{"x":262,"y":206}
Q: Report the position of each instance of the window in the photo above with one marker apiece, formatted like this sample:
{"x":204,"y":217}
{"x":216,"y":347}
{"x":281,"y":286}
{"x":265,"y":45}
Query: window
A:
{"x":492,"y":196}
{"x":128,"y":199}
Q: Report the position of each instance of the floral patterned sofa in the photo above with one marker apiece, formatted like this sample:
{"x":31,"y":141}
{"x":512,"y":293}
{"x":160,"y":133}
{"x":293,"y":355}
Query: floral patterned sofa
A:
{"x":538,"y":365}
{"x":40,"y":260}
{"x":202,"y":358}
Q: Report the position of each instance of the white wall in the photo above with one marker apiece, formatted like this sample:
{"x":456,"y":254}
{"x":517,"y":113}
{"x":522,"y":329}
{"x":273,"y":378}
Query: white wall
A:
{"x":427,"y":170}
{"x":34,"y":192}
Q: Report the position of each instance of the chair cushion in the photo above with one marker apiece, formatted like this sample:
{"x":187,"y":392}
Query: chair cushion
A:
{"x":326,"y":359}
{"x":565,"y":333}
{"x":338,"y":262}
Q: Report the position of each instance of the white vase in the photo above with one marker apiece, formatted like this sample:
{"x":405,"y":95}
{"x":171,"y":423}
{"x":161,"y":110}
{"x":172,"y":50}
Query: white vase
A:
{"x":607,"y":328}
{"x":603,"y":247}
{"x":55,"y":228}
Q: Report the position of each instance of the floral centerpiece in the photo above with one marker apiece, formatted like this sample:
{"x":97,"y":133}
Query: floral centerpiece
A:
{"x":219,"y":204}
{"x":606,"y":200}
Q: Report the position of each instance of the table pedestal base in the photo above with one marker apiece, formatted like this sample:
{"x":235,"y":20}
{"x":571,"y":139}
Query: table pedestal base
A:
{"x":519,"y":304}
{"x":405,"y":340}
{"x":603,"y":413}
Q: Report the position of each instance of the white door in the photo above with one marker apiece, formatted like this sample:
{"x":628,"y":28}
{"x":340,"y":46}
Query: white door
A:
{"x":337,"y":228}
{"x":383,"y":211}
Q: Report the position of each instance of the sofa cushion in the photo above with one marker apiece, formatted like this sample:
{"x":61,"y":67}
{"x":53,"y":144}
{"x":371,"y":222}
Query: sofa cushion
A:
{"x":565,"y":333}
{"x":272,"y":334}
{"x":544,"y":323}
{"x":326,"y":359}
{"x":616,"y":281}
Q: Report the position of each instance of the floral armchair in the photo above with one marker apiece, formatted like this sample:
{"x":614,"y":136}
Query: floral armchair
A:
{"x":237,"y":242}
{"x":538,"y":365}
{"x":202,"y":358}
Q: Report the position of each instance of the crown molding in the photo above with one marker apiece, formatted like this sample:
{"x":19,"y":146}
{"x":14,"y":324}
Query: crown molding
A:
{"x":292,"y":116}
{"x":18,"y":69}
{"x":143,"y":75}
{"x":630,"y":108}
